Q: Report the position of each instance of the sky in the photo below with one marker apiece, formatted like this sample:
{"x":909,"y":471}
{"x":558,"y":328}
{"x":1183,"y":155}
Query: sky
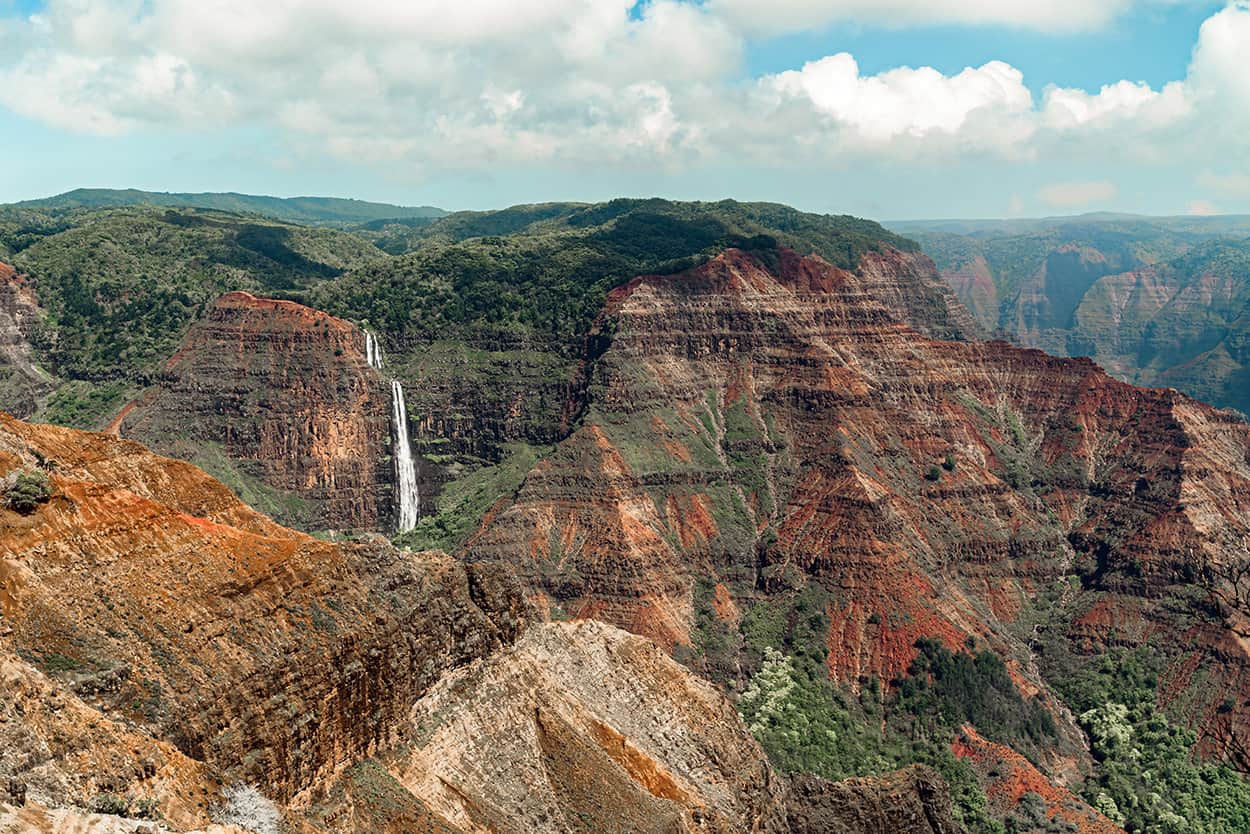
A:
{"x":891,"y":109}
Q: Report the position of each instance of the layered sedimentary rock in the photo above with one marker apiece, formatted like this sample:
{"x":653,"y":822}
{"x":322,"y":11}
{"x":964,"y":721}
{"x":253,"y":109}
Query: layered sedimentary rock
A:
{"x":582,"y":727}
{"x":280,"y":402}
{"x":153,"y":595}
{"x":23,"y":383}
{"x":1153,"y":303}
{"x":912,"y":799}
{"x":160,"y":640}
{"x":616,"y":736}
{"x":1180,"y":324}
{"x":762,"y":425}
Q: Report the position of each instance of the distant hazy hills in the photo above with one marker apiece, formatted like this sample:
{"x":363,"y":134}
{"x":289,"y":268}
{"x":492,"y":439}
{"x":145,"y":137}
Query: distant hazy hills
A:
{"x":1157,"y":301}
{"x":315,"y":210}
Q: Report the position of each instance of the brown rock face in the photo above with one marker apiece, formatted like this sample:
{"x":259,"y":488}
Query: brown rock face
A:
{"x":153,"y":595}
{"x":914,"y":799}
{"x":159,"y":639}
{"x":581,"y":727}
{"x":279,"y":401}
{"x":764,"y":426}
{"x":22,"y":382}
{"x":616,"y":737}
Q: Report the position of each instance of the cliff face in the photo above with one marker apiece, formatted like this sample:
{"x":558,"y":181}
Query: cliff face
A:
{"x":764,"y":427}
{"x":153,"y":595}
{"x":616,"y":736}
{"x":1153,"y":304}
{"x":279,"y":401}
{"x":608,"y":734}
{"x":23,"y":384}
{"x":159,"y":639}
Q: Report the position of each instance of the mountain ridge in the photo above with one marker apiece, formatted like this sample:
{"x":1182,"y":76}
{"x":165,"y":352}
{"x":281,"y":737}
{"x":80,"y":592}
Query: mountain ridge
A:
{"x":325,"y":210}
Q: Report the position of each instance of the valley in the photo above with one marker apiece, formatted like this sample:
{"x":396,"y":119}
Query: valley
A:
{"x":639,"y":515}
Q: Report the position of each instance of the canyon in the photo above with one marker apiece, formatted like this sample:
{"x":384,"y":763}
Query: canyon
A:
{"x":677,"y":504}
{"x":159,"y":639}
{"x":1155,"y":301}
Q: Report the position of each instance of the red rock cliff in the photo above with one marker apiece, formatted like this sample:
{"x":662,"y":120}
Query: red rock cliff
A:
{"x":274,"y":658}
{"x":279,"y":401}
{"x":763,"y":426}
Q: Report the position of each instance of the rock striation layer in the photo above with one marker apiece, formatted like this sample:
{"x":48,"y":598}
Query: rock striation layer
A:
{"x":763,"y":425}
{"x":160,"y":640}
{"x":156,"y":597}
{"x":23,"y":383}
{"x":582,"y":727}
{"x":278,"y":400}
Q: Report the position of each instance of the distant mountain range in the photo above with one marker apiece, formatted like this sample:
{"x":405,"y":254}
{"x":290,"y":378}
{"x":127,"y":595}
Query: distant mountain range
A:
{"x":1158,"y":301}
{"x":315,"y":210}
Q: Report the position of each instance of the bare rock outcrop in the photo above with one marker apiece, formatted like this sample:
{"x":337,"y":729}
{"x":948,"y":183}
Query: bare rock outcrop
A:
{"x":23,"y":383}
{"x":156,"y":597}
{"x":278,"y":400}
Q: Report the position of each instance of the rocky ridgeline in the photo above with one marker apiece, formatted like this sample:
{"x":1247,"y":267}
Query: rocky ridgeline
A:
{"x":160,"y":640}
{"x":761,"y":426}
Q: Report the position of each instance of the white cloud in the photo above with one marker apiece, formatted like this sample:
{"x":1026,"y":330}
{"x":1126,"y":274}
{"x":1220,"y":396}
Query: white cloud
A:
{"x":1068,"y":195}
{"x":471,"y":83}
{"x":1114,"y":105}
{"x":1230,"y":183}
{"x":1218,"y":70}
{"x":904,"y":102}
{"x":420,"y":86}
{"x":774,"y":16}
{"x":1202,"y":208}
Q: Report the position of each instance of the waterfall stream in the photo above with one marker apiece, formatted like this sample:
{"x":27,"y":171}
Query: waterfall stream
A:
{"x":405,"y":466}
{"x":405,"y":469}
{"x":373,"y":351}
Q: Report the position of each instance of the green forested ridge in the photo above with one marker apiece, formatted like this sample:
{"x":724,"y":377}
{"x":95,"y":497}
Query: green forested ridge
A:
{"x":540,"y":273}
{"x":313,"y":210}
{"x":120,"y":287}
{"x":517,"y":288}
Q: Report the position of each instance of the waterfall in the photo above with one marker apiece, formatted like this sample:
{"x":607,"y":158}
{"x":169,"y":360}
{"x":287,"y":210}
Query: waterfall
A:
{"x":405,"y":469}
{"x":373,"y":351}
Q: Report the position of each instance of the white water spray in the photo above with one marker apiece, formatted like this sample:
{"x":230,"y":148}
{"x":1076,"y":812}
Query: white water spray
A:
{"x":405,"y":469}
{"x":373,"y":351}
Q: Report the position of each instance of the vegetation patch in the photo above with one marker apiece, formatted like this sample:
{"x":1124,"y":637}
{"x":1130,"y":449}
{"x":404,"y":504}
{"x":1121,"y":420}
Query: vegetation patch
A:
{"x":24,"y":491}
{"x":1147,"y":777}
{"x":468,"y":496}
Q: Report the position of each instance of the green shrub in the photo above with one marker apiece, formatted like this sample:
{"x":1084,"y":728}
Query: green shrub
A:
{"x":110,"y":803}
{"x":1147,"y":777}
{"x":24,"y":492}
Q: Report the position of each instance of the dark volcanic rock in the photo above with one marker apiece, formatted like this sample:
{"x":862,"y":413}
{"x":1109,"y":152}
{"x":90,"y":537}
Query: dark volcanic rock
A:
{"x":914,"y":800}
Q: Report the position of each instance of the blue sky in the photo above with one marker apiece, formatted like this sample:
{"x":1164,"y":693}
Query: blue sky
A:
{"x":896,"y":109}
